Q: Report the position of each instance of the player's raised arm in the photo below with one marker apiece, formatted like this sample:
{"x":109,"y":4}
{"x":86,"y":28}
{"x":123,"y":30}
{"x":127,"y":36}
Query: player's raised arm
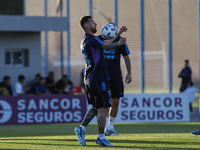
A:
{"x":108,"y":46}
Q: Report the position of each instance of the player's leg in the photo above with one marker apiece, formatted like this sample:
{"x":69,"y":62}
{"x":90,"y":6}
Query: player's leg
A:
{"x":112,"y":116}
{"x":80,"y":131}
{"x":117,"y":89}
{"x":114,"y":108}
{"x":101,"y":121}
{"x":103,"y":102}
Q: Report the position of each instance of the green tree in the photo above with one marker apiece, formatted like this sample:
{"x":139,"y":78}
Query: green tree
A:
{"x":11,"y":7}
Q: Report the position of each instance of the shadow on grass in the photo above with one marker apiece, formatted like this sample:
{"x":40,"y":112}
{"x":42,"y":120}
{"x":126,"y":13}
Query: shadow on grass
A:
{"x":68,"y":129}
{"x":141,"y":143}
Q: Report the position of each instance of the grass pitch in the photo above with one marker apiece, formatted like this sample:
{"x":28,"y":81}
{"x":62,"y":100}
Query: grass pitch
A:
{"x":145,"y":136}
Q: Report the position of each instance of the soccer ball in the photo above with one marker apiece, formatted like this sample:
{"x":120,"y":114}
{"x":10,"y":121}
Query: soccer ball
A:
{"x":109,"y":31}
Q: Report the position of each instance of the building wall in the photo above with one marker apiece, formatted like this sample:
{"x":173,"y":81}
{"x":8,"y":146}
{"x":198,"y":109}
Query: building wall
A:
{"x":21,"y":40}
{"x":184,"y":38}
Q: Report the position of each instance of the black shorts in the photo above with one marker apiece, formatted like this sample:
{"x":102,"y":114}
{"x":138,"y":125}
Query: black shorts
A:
{"x":117,"y":88}
{"x":98,"y":95}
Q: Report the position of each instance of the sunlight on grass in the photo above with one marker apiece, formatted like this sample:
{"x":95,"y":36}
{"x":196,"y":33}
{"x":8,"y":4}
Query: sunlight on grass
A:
{"x":159,"y":136}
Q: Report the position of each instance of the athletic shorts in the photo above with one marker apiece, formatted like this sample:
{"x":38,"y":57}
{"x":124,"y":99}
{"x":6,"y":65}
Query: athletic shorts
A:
{"x":117,"y":88}
{"x":99,"y":95}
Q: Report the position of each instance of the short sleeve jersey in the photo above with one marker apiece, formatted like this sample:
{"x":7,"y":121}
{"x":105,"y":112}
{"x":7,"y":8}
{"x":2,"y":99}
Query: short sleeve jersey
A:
{"x":95,"y":69}
{"x":113,"y":59}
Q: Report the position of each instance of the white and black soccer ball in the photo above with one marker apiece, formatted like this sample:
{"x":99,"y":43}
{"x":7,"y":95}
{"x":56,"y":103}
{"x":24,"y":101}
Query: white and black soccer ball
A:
{"x":109,"y":31}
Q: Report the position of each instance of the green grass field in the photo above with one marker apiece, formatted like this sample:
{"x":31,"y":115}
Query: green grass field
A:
{"x":156,"y":136}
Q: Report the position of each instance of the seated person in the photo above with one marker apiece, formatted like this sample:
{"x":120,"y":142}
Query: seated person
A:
{"x":33,"y":83}
{"x":63,"y":86}
{"x":6,"y":84}
{"x":18,"y":87}
{"x":40,"y":88}
{"x":50,"y":81}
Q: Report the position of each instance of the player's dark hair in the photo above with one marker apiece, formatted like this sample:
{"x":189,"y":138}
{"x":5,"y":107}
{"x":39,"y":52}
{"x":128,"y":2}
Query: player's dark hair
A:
{"x":187,"y":61}
{"x":84,"y":19}
{"x":191,"y":83}
{"x":21,"y":77}
{"x":6,"y":78}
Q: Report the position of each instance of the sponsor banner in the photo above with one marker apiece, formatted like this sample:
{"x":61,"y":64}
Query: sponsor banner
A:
{"x":42,"y":109}
{"x":153,"y":108}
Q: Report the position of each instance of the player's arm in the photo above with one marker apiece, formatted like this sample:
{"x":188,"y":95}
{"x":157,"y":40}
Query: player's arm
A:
{"x":120,"y":31}
{"x":128,"y":68}
{"x":108,"y":46}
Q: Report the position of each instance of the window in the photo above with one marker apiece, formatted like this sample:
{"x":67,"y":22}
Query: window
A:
{"x":12,"y":7}
{"x":17,"y":57}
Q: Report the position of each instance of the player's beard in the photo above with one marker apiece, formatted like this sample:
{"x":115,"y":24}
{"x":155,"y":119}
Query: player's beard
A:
{"x":94,"y":30}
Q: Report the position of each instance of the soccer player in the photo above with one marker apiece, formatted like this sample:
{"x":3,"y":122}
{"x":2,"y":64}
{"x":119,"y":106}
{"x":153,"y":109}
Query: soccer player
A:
{"x":96,"y":79}
{"x":116,"y":83}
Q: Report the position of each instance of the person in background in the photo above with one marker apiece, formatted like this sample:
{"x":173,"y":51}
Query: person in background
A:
{"x":50,"y":82}
{"x":33,"y":83}
{"x":40,"y":88}
{"x":63,"y":86}
{"x":191,"y":90}
{"x":6,"y":84}
{"x":185,"y":74}
{"x":19,"y":86}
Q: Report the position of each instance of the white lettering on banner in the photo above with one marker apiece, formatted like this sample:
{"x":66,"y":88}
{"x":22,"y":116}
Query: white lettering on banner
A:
{"x":21,"y":104}
{"x":21,"y":118}
{"x":57,"y":115}
{"x":151,"y":115}
{"x":76,"y":103}
{"x":43,"y":104}
{"x":50,"y":118}
{"x":54,"y":104}
{"x":38,"y":117}
{"x":32,"y":105}
{"x":153,"y":108}
{"x":67,"y":116}
{"x":77,"y":116}
{"x":65,"y":104}
{"x":172,"y":107}
{"x":156,"y":102}
{"x":29,"y":117}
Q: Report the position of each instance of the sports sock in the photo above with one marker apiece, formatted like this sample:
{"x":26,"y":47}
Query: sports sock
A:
{"x":83,"y":127}
{"x":101,"y":136}
{"x":111,"y":122}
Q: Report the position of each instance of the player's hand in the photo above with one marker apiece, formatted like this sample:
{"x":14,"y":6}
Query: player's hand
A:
{"x":128,"y":78}
{"x":121,"y":30}
{"x":121,"y":41}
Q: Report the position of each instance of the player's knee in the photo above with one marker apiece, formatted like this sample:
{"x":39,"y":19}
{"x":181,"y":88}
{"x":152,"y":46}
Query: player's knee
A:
{"x":103,"y":111}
